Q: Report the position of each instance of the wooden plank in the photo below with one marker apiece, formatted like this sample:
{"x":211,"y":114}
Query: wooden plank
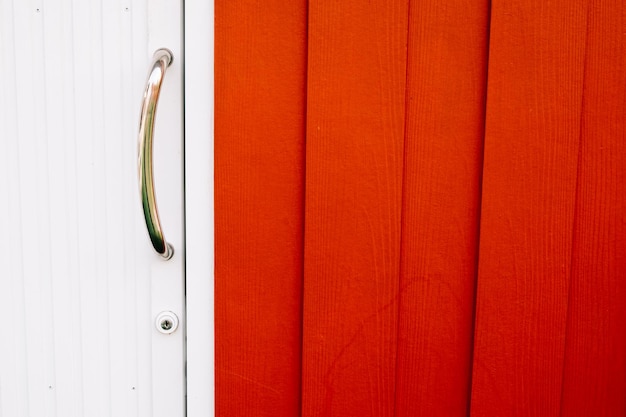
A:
{"x":355,"y":137}
{"x":536,"y":62}
{"x":260,"y":85}
{"x":442,"y":175}
{"x":595,"y":355}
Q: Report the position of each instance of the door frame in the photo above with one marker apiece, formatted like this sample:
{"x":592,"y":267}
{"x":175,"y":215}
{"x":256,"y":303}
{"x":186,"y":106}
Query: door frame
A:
{"x":199,"y":213}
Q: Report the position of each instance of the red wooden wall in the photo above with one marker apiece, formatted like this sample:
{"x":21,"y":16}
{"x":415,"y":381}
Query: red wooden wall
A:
{"x":420,"y":208}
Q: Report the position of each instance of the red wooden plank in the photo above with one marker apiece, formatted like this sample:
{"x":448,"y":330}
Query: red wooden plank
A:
{"x":260,"y":86}
{"x":447,"y":69}
{"x":355,"y":136}
{"x":537,"y":52}
{"x":595,"y":355}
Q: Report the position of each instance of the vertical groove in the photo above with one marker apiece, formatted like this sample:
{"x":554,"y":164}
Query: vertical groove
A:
{"x":576,"y":209}
{"x":21,"y":234}
{"x":94,"y":268}
{"x":479,"y":212}
{"x":132,"y":264}
{"x":303,"y":212}
{"x":103,"y":198}
{"x":77,"y":237}
{"x":20,"y":221}
{"x":48,"y":317}
{"x":4,"y":175}
{"x":183,"y":204}
{"x":4,"y":212}
{"x":402,"y":199}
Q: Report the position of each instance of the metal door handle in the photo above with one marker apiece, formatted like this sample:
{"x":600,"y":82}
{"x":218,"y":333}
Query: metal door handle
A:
{"x":161,"y":60}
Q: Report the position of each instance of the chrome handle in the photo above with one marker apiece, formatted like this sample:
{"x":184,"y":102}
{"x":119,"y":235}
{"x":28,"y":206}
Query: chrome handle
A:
{"x":161,"y":60}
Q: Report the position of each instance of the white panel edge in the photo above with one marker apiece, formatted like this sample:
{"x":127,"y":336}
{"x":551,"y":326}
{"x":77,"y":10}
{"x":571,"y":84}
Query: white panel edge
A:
{"x":199,"y":211}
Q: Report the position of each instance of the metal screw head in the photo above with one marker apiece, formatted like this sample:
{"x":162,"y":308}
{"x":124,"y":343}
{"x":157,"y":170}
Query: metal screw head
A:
{"x":166,"y":322}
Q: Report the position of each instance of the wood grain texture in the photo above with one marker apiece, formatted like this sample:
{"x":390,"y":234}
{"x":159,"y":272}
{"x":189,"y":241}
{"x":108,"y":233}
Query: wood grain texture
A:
{"x":535,"y":85}
{"x":395,"y":116}
{"x":355,"y":139}
{"x":594,"y":379}
{"x":446,"y":88}
{"x":260,"y":85}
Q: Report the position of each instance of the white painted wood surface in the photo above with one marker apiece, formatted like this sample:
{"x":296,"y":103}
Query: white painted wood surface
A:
{"x":80,"y":283}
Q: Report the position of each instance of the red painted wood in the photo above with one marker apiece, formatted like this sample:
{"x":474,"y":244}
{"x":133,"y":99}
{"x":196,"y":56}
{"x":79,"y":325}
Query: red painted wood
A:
{"x":446,"y":87}
{"x":594,"y":379}
{"x":260,"y":83}
{"x":393,"y":194}
{"x":355,"y":139}
{"x":535,"y":87}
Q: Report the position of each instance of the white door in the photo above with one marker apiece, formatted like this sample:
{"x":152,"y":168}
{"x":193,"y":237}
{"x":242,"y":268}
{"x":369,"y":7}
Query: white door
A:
{"x":81,"y":285}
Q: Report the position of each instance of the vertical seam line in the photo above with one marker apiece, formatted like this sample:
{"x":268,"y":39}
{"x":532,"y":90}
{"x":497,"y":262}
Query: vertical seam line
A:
{"x":402,"y":202}
{"x":479,"y":211}
{"x":575,"y":216}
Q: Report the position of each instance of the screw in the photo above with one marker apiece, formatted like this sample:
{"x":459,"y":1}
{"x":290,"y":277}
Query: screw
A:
{"x":166,"y":322}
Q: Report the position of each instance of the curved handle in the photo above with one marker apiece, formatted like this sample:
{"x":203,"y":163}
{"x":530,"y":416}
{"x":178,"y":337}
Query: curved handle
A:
{"x":161,"y":60}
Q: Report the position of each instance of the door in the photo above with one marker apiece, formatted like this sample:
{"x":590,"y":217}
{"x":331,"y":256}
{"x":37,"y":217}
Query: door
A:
{"x":82,"y":286}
